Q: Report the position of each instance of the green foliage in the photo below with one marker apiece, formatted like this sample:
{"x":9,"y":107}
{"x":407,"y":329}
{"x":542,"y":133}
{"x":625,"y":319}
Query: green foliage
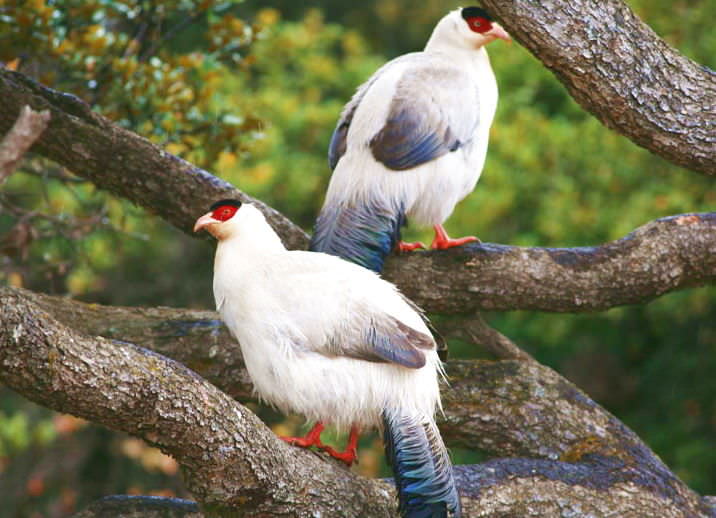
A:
{"x":304,"y":71}
{"x":18,"y":433}
{"x":154,"y":68}
{"x":150,"y":66}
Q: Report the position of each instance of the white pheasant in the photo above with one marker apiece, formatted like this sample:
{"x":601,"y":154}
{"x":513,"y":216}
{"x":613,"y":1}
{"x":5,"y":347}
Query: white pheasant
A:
{"x":333,"y":341}
{"x":411,"y":143}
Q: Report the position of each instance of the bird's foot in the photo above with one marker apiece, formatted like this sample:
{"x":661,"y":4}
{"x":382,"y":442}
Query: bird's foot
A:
{"x":444,"y":244}
{"x":409,"y":247}
{"x":312,"y":438}
{"x":442,"y":241}
{"x":349,"y":455}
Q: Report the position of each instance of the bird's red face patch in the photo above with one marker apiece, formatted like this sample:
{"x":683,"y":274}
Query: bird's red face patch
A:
{"x":478,"y":24}
{"x":224,"y":212}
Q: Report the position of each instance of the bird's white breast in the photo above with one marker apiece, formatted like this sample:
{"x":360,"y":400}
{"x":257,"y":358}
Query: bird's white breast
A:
{"x":428,"y":192}
{"x":278,"y":316}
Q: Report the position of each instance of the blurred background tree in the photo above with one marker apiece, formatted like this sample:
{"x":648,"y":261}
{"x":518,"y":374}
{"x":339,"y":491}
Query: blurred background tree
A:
{"x":252,"y":93}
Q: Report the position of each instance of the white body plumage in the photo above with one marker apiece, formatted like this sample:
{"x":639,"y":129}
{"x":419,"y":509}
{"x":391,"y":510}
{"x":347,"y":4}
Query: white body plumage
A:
{"x":297,"y":314}
{"x":453,"y":76}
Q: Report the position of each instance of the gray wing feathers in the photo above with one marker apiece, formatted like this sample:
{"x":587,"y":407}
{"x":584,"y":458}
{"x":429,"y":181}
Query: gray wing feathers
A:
{"x":434,"y":111}
{"x":384,"y":340}
{"x":337,"y":147}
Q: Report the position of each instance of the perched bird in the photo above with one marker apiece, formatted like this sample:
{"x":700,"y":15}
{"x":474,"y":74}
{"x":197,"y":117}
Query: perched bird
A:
{"x":333,"y":341}
{"x":411,"y":143}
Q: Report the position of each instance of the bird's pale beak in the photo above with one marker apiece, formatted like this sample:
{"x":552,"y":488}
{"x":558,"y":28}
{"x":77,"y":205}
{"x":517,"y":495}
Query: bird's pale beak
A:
{"x":204,"y":221}
{"x":498,"y":32}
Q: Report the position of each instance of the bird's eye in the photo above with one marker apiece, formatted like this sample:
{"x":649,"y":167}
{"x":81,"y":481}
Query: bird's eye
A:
{"x":224,"y":213}
{"x":479,"y":24}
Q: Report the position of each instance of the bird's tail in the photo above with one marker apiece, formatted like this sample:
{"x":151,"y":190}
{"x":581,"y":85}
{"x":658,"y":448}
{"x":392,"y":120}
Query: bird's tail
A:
{"x":361,"y":233}
{"x":421,"y":466}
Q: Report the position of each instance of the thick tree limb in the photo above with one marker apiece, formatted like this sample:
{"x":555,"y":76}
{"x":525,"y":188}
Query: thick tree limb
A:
{"x":600,"y":487}
{"x":26,"y":130}
{"x":662,"y":256}
{"x":124,"y":506}
{"x":197,"y":339}
{"x":619,"y":70}
{"x":506,"y":408}
{"x":665,"y":255}
{"x":230,"y":460}
{"x":122,"y":162}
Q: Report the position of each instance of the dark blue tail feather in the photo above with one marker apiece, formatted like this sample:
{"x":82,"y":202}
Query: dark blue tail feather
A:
{"x":363,"y":234}
{"x":421,"y":466}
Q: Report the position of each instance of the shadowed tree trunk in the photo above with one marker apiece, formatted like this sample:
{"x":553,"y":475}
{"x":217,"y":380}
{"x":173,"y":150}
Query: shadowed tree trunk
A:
{"x":556,"y":452}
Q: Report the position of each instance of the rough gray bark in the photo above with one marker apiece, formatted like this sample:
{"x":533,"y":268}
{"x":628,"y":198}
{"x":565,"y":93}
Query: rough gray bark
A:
{"x":140,"y":507}
{"x":232,"y":463}
{"x":580,"y":456}
{"x":122,"y":162}
{"x":534,"y":488}
{"x":662,"y":256}
{"x":619,"y":70}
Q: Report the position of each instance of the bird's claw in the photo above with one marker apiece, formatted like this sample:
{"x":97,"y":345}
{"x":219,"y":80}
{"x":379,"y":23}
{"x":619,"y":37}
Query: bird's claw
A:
{"x":303,"y":442}
{"x":313,"y":438}
{"x":409,"y":247}
{"x":443,"y":244}
{"x":349,"y":456}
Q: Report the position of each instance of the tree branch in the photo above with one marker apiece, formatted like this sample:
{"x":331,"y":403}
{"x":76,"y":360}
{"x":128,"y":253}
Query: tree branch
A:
{"x":26,"y":130}
{"x":124,"y":506}
{"x":491,"y":405}
{"x":620,"y":71}
{"x":600,"y":487}
{"x":506,"y":408}
{"x":665,"y":255}
{"x":662,"y":256}
{"x":122,"y":162}
{"x":229,"y":459}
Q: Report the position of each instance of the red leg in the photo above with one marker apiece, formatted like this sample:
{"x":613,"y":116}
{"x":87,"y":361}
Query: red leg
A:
{"x":312,"y":438}
{"x":409,"y":247}
{"x":442,"y":241}
{"x":348,"y":455}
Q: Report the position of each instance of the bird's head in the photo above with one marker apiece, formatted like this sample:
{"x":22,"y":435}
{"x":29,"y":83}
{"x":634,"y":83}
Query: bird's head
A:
{"x":470,"y":27}
{"x":240,"y":223}
{"x":222,"y":219}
